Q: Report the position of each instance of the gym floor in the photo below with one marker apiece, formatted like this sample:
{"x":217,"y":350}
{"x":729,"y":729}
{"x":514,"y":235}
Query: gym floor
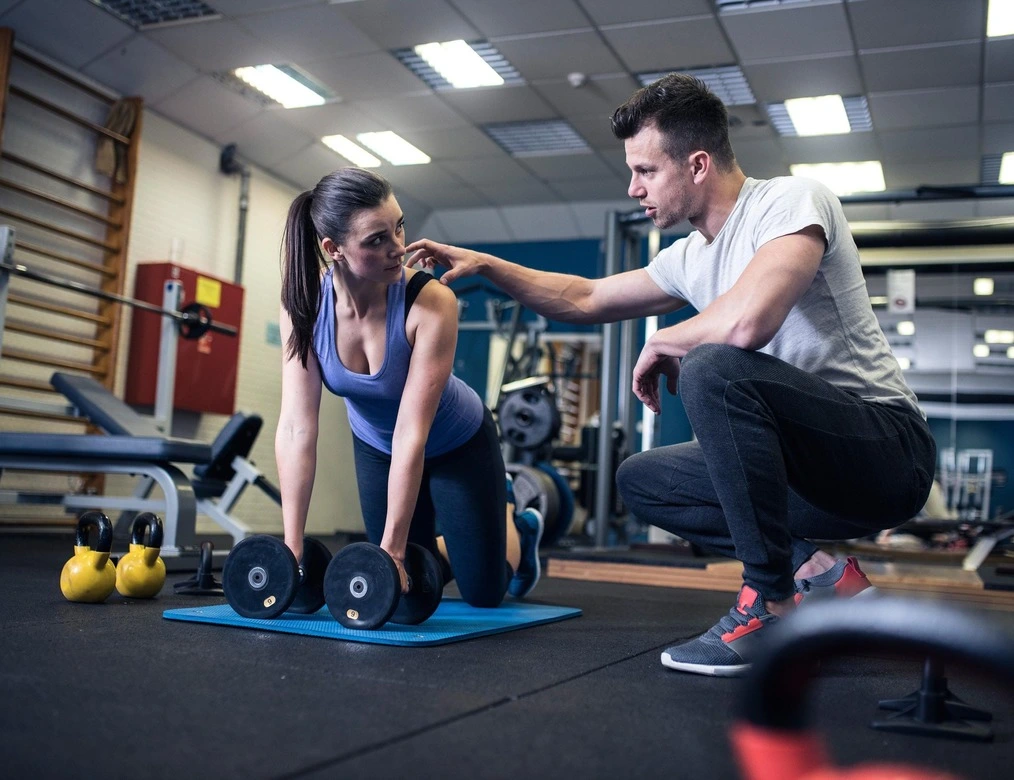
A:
{"x":114,"y":690}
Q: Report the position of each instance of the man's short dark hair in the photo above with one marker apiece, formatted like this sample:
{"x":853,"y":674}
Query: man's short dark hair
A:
{"x":689,"y":115}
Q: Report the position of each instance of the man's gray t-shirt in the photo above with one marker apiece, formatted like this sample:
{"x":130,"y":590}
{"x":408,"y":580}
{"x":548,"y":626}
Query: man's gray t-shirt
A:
{"x":832,"y":331}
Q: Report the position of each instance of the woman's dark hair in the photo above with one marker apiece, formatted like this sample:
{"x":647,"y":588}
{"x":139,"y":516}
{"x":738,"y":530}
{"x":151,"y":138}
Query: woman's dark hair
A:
{"x":689,"y":115}
{"x":323,"y":212}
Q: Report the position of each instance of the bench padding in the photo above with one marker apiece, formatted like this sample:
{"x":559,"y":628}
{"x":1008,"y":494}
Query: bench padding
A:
{"x":85,"y":447}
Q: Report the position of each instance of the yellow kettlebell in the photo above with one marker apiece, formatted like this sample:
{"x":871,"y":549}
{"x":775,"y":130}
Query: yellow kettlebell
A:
{"x":140,"y":573}
{"x":89,"y":575}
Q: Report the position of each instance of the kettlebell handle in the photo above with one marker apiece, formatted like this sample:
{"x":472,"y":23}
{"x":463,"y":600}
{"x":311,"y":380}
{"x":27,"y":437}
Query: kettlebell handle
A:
{"x":101,"y":524}
{"x":146,"y":521}
{"x":781,"y":676}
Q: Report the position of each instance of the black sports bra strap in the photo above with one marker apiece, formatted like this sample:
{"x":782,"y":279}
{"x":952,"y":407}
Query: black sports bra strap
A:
{"x":412,"y":288}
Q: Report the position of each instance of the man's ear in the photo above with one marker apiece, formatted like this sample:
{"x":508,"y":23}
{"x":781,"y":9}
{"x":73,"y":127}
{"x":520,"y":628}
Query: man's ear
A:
{"x":700,"y":165}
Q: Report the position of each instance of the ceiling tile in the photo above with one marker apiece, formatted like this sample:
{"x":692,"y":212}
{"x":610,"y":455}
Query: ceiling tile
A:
{"x":563,"y":167}
{"x":207,"y":107}
{"x":806,"y":77}
{"x":600,"y":95}
{"x":589,"y":189}
{"x":1000,"y":59}
{"x":755,"y":155}
{"x":944,"y":65}
{"x":512,"y":193}
{"x":488,"y":170}
{"x":266,"y":139}
{"x":453,"y":143}
{"x":141,"y":67}
{"x":458,"y":196}
{"x":865,"y":212}
{"x":616,"y":159}
{"x":308,"y":166}
{"x":998,"y":138}
{"x":748,"y":122}
{"x":688,"y":43}
{"x":933,"y":143}
{"x":215,"y":45}
{"x":924,"y":108}
{"x":880,"y":24}
{"x":474,"y":226}
{"x":554,"y":56}
{"x":331,"y":119}
{"x":596,"y":130}
{"x":554,"y":222}
{"x":788,"y":30}
{"x":302,"y":35}
{"x":245,"y":7}
{"x":998,"y":103}
{"x":418,"y":178}
{"x":931,"y":211}
{"x":995,"y":207}
{"x":909,"y":175}
{"x":839,"y":148}
{"x":366,"y":76}
{"x":499,"y":104}
{"x":399,"y":23}
{"x":605,"y":12}
{"x":419,"y":112}
{"x":54,"y":28}
{"x":521,"y":16}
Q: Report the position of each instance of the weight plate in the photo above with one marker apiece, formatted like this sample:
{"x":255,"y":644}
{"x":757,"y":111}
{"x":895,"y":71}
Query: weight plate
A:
{"x":565,"y":513}
{"x":427,"y":587}
{"x":535,"y":488}
{"x":260,"y":577}
{"x":362,"y":586}
{"x":528,"y":418}
{"x":310,"y":593}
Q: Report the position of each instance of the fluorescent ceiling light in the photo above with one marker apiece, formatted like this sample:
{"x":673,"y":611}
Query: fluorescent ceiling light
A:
{"x":279,"y":85}
{"x":983,"y":286}
{"x":1000,"y":18}
{"x":1010,"y":352}
{"x":980,"y":351}
{"x":906,"y":328}
{"x":354,"y":154}
{"x":878,"y":300}
{"x":846,"y":177}
{"x":999,"y":336}
{"x":459,"y":64}
{"x":393,"y":148}
{"x":1007,"y":168}
{"x":142,"y":14}
{"x":824,"y":115}
{"x":537,"y":138}
{"x":904,"y":363}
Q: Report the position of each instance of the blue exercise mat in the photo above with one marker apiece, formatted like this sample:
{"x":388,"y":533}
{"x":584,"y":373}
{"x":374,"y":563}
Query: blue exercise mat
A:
{"x":453,"y":621}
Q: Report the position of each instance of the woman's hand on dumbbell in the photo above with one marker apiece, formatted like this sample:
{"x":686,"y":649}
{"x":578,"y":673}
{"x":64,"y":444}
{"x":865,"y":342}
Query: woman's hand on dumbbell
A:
{"x":399,"y":560}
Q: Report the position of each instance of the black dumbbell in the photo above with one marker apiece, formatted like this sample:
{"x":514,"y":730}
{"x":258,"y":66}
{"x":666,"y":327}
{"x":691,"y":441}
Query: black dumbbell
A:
{"x":363,"y":589}
{"x":262,"y":580}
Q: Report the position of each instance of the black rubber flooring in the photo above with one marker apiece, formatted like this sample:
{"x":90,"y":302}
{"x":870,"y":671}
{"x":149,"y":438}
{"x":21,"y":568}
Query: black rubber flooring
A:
{"x":113,"y":690}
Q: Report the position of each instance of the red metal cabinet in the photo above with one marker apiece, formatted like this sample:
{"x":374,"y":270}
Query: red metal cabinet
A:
{"x":206,"y":368}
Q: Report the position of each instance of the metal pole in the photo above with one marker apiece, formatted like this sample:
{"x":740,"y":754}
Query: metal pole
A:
{"x":607,"y":403}
{"x":627,"y":403}
{"x":649,"y":420}
{"x":165,"y":384}
{"x":244,"y":205}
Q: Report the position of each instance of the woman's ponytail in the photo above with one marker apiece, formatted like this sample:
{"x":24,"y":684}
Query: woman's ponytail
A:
{"x":301,"y":267}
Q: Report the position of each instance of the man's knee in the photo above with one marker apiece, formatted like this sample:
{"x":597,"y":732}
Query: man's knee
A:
{"x":630,"y":477}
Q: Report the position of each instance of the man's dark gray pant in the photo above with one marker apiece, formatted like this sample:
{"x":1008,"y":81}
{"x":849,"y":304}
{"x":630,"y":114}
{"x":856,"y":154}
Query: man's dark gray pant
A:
{"x":781,"y":456}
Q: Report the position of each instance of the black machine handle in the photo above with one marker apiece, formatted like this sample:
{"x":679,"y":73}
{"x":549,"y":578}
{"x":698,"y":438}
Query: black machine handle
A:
{"x":780,"y":678}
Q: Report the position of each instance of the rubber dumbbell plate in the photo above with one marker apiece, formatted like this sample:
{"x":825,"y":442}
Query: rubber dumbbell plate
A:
{"x":362,"y":586}
{"x":310,"y":593}
{"x":427,"y":588}
{"x":260,"y":577}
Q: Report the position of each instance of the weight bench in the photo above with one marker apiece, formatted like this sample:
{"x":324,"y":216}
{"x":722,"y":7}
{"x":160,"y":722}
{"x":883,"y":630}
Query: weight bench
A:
{"x":135,"y":446}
